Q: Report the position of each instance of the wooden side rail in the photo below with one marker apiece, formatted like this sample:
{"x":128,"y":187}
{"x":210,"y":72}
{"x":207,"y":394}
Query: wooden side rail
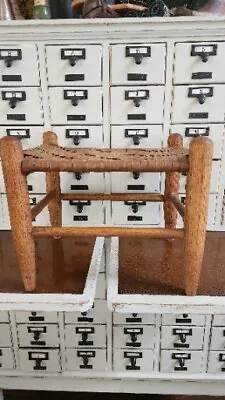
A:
{"x":42,"y":204}
{"x":177,"y":203}
{"x":113,"y":196}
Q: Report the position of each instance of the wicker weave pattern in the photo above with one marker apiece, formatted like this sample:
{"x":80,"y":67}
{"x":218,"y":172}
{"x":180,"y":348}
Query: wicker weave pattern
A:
{"x":53,"y":158}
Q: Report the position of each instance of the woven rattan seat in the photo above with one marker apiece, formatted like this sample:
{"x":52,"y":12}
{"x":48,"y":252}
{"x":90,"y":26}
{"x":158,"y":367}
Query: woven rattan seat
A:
{"x":196,"y":162}
{"x":55,"y":158}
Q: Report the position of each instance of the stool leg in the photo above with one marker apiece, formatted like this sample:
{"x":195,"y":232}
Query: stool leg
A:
{"x":53,"y":184}
{"x":172,"y":185}
{"x":19,"y":209}
{"x":196,"y":210}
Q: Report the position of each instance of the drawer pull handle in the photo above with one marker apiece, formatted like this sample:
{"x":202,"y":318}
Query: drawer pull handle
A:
{"x":132,"y":356}
{"x":85,"y":332}
{"x":204,"y":51}
{"x":75,"y":96}
{"x":200,"y":93}
{"x":78,"y":175}
{"x":80,"y":205}
{"x":77,"y":135}
{"x":195,"y":132}
{"x":136,"y":175}
{"x":13,"y":98}
{"x":136,"y":135}
{"x":73,"y":55}
{"x":181,"y":358}
{"x":137,"y":96}
{"x":138,"y":53}
{"x":38,"y":357}
{"x":20,"y":133}
{"x":10,"y":55}
{"x":135,"y":205}
{"x":86,"y":355}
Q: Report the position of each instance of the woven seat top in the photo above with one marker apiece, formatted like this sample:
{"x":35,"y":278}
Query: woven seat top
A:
{"x":54,"y":158}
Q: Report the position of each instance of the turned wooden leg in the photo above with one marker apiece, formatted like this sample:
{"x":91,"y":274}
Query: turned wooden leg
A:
{"x":172,"y":185}
{"x":196,"y":210}
{"x":19,"y":209}
{"x":53,"y":184}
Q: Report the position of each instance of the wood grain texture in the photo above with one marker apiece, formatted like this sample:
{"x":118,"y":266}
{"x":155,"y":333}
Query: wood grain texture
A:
{"x":113,"y":196}
{"x":53,"y":185}
{"x":172,"y":185}
{"x":36,"y":210}
{"x":177,"y":204}
{"x":196,"y":210}
{"x":19,"y":208}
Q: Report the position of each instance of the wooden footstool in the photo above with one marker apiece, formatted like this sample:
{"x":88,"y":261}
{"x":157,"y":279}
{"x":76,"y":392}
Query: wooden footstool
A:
{"x":52,"y":159}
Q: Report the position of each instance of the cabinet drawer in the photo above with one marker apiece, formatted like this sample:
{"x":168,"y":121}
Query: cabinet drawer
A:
{"x":31,"y":136}
{"x":36,"y":317}
{"x":36,"y":182}
{"x":77,"y":136}
{"x":216,"y":363}
{"x":39,"y":361}
{"x":6,"y":359}
{"x":181,"y":361}
{"x":136,"y":136}
{"x":198,"y":104}
{"x":5,"y":335}
{"x":38,"y":335}
{"x":82,"y":182}
{"x":183,"y":319}
{"x":19,"y":66}
{"x":214,"y":132}
{"x":134,"y":336}
{"x":199,"y":62}
{"x":218,"y":320}
{"x":85,"y":359}
{"x":133,"y":360}
{"x":74,"y":65}
{"x":82,"y":212}
{"x":217,"y":338}
{"x":96,"y":315}
{"x":137,"y":212}
{"x":121,"y":318}
{"x":85,"y":336}
{"x":182,"y":337}
{"x":78,"y":105}
{"x":21,"y":106}
{"x":135,"y":182}
{"x":136,"y":64}
{"x":138,"y":105}
{"x":215,"y":177}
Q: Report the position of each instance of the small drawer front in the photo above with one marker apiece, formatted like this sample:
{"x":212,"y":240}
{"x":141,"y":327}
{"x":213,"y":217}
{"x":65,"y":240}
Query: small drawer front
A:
{"x":85,"y":336}
{"x":6,"y":359}
{"x":74,"y":65}
{"x":218,"y":338}
{"x":35,"y":182}
{"x":183,"y":319}
{"x":39,"y":361}
{"x":79,"y":136}
{"x":133,"y":360}
{"x":135,"y":182}
{"x":193,"y":104}
{"x":134,"y":336}
{"x":5,"y":335}
{"x":96,"y":315}
{"x":139,"y":105}
{"x":181,"y":361}
{"x":85,"y":359}
{"x":19,"y":66}
{"x":199,"y":62}
{"x":4,"y":316}
{"x":82,"y":212}
{"x":82,"y":182}
{"x":76,"y":105}
{"x":182,"y":337}
{"x":31,"y":136}
{"x":211,"y":210}
{"x":215,"y":175}
{"x":38,"y":335}
{"x":21,"y":106}
{"x":136,"y":136}
{"x":214,"y":132}
{"x":138,"y":212}
{"x":218,"y":320}
{"x":36,"y":317}
{"x":120,"y":318}
{"x":136,"y":64}
{"x":216,"y":362}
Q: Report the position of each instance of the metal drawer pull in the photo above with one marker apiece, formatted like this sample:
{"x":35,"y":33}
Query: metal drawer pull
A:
{"x":73,"y":55}
{"x":201,"y":93}
{"x":80,"y":205}
{"x":38,"y":357}
{"x":132,"y":356}
{"x":138,"y":53}
{"x":137,"y":96}
{"x":21,"y":133}
{"x":204,"y":51}
{"x":135,"y":205}
{"x":77,"y":135}
{"x":84,"y":332}
{"x":78,"y":175}
{"x":10,"y":55}
{"x":181,"y":358}
{"x":136,"y":135}
{"x":34,"y":317}
{"x":136,"y":175}
{"x":37,"y":331}
{"x":13,"y":98}
{"x":195,"y":132}
{"x":182,"y":333}
{"x":75,"y":96}
{"x":133,"y":332}
{"x":86,"y":355}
